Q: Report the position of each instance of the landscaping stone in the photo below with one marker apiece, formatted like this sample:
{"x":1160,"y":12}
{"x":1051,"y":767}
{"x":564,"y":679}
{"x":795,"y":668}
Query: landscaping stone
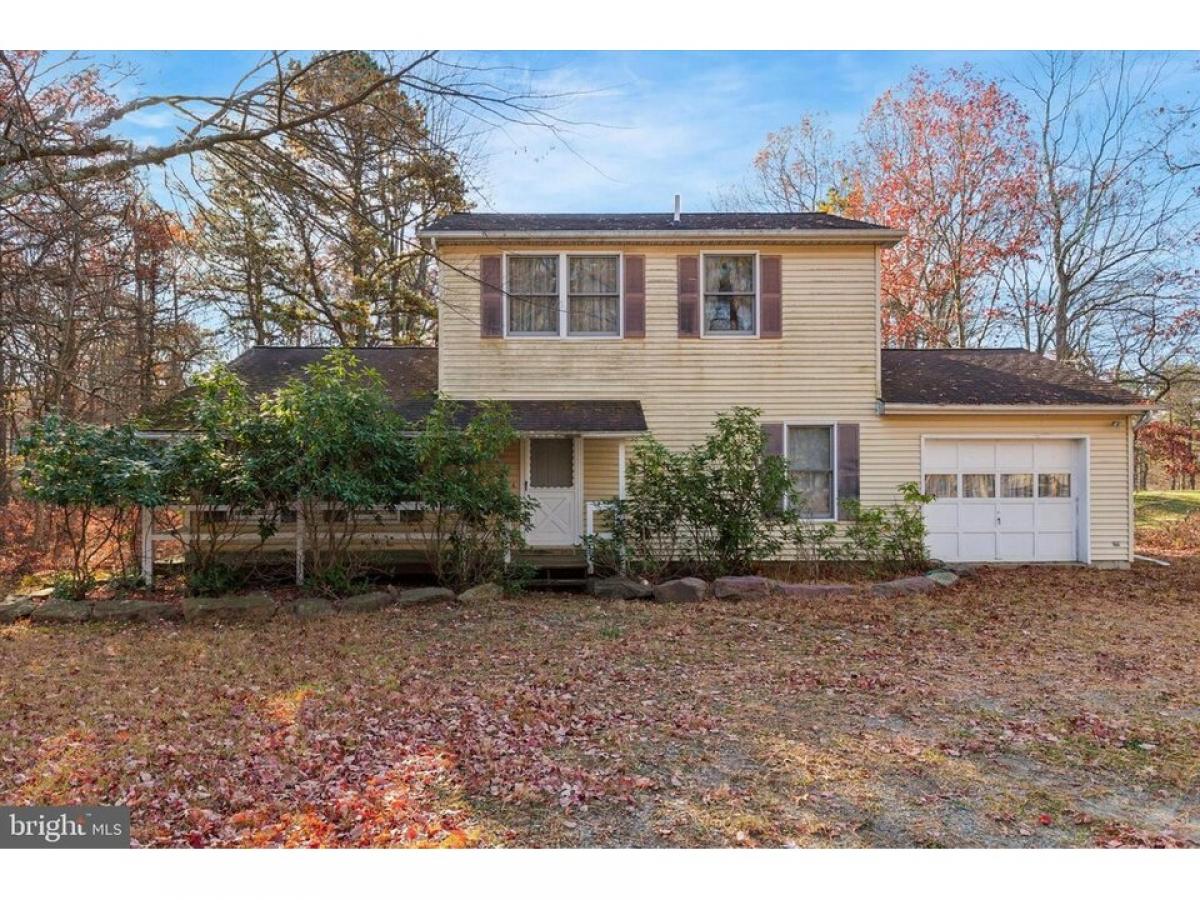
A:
{"x":815,"y":591}
{"x":482,"y":593}
{"x":620,"y":587}
{"x":61,"y":612}
{"x":312,"y":608}
{"x":232,"y":608}
{"x":15,"y":608}
{"x":424,"y":595}
{"x":943,"y":577}
{"x":916,"y":584}
{"x":962,"y":570}
{"x":742,"y":587}
{"x":135,"y":611}
{"x":681,"y":590}
{"x":371,"y":602}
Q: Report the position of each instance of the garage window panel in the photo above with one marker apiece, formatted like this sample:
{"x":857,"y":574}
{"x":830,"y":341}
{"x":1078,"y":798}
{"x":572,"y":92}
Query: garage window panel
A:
{"x":1054,"y":484}
{"x":978,"y":485}
{"x":942,"y":485}
{"x":1016,"y":485}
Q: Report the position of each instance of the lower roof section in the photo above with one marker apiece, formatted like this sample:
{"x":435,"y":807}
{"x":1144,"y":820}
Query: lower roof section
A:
{"x":552,"y":416}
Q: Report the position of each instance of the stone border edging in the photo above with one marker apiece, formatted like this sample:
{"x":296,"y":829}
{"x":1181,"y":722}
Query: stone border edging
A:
{"x":756,"y":587}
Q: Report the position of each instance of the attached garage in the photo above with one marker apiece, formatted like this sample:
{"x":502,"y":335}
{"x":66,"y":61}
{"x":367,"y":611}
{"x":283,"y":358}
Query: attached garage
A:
{"x":1006,"y":500}
{"x":1029,"y":460}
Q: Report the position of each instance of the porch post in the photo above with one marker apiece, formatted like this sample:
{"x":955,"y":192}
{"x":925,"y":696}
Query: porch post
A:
{"x":146,"y":527}
{"x":621,"y":469}
{"x":299,"y":543}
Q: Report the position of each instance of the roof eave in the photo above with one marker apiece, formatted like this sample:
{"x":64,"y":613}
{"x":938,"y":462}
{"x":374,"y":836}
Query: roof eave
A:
{"x":912,"y":409}
{"x":887,"y":237}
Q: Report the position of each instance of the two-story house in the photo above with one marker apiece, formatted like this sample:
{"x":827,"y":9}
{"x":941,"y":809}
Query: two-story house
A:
{"x":598,"y":328}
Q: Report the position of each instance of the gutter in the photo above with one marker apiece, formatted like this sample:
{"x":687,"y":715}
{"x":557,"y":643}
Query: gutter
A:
{"x":887,"y":237}
{"x":915,"y":409}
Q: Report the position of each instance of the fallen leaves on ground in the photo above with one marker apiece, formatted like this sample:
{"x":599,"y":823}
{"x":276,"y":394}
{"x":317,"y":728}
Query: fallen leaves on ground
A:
{"x":1027,"y":707}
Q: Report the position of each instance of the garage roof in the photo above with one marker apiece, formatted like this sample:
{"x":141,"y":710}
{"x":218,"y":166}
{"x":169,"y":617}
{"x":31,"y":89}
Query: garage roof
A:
{"x":1006,"y":376}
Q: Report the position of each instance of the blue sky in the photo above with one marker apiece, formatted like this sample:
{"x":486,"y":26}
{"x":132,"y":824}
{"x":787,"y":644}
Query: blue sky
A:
{"x":651,"y":124}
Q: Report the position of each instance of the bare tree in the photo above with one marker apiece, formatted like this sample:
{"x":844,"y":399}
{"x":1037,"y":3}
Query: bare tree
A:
{"x":1118,"y":216}
{"x":797,"y":169}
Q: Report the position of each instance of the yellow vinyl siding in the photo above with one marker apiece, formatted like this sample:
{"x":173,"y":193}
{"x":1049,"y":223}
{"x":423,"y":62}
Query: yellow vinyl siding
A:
{"x":601,"y":472}
{"x":824,"y":365}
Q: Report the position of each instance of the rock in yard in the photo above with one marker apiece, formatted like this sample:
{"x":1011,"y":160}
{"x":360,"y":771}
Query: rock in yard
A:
{"x":815,"y":591}
{"x":233,"y":608}
{"x":15,"y":608}
{"x":367,"y":602}
{"x":135,"y":611}
{"x":482,"y":593}
{"x":620,"y":587}
{"x":943,"y":577}
{"x":917,"y":584}
{"x":742,"y":587}
{"x":425,"y":595}
{"x":681,"y":590}
{"x":62,"y":611}
{"x":312,"y":608}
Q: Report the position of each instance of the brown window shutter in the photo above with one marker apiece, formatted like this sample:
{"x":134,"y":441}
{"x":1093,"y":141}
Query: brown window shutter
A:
{"x":689,"y":296}
{"x":770,"y":316}
{"x":773,"y":432}
{"x":847,"y":466}
{"x":635,"y":296}
{"x":491,"y":296}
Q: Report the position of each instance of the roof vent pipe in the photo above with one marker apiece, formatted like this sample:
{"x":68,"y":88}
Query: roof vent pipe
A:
{"x":678,"y":207}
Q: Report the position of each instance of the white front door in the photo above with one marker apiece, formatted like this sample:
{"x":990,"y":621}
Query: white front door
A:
{"x":1005,"y":500}
{"x":550,"y":480}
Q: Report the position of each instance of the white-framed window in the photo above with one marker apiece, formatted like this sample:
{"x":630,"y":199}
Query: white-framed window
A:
{"x":573,"y":295}
{"x":811,"y":454}
{"x":729,"y":294}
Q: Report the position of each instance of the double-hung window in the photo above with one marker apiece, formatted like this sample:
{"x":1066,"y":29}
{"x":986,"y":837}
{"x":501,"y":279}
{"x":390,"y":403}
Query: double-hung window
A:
{"x":564,"y":294}
{"x":730,"y":294}
{"x":810,"y":458}
{"x":533,"y":295}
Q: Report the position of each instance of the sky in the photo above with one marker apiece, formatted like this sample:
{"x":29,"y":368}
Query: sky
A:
{"x":645,"y":125}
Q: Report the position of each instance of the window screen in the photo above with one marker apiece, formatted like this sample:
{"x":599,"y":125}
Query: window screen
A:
{"x":551,"y":462}
{"x":593,"y":295}
{"x":533,"y":295}
{"x":728,"y":294}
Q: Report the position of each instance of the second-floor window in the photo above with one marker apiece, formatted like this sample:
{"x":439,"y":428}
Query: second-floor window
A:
{"x":564,"y":294}
{"x":730,"y":294}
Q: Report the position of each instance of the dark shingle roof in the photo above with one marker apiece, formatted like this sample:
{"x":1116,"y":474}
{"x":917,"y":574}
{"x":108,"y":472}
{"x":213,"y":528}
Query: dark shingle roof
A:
{"x":736,"y":221}
{"x":1008,"y":376}
{"x":410,"y":375}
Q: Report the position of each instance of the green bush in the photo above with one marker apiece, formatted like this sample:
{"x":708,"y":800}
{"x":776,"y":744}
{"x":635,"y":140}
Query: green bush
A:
{"x":474,"y":519}
{"x":888,"y":539}
{"x":92,"y":479}
{"x":332,"y":441}
{"x":713,"y":509}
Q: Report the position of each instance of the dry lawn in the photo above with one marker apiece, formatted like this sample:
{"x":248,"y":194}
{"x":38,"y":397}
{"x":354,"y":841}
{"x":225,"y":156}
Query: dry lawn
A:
{"x":1028,"y":707}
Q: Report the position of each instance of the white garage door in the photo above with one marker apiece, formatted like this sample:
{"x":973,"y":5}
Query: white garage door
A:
{"x":1004,"y":500}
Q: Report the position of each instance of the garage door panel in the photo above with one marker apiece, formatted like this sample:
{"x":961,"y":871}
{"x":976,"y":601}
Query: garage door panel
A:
{"x":941,"y":456}
{"x":1056,"y":516}
{"x":977,"y":545}
{"x":1014,"y":456}
{"x":1015,"y":546}
{"x":944,"y":546}
{"x":977,"y":517}
{"x":1016,"y":516}
{"x":1055,"y":455}
{"x":1056,"y":547}
{"x":976,"y":456}
{"x":941,"y":516}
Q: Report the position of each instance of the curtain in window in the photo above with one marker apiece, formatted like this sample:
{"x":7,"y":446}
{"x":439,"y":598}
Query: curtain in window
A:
{"x":729,"y":294}
{"x":593,"y":295}
{"x":810,"y":462}
{"x":533,"y":294}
